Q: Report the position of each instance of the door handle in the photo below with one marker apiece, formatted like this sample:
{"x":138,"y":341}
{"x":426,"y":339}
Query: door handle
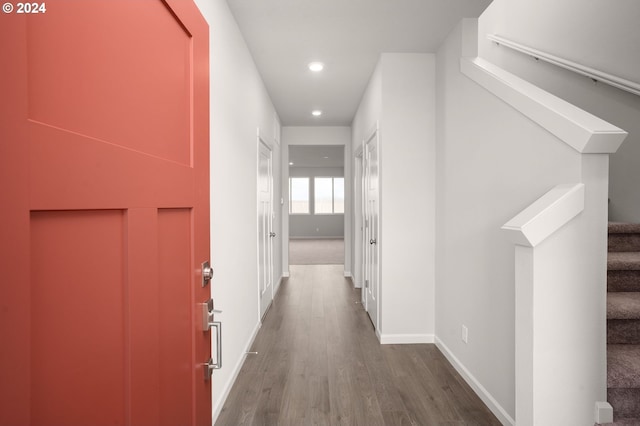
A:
{"x":372,"y":241}
{"x":272,"y":234}
{"x":209,"y":366}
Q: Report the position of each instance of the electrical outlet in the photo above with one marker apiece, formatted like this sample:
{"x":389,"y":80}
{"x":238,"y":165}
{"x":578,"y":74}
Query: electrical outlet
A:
{"x":465,"y":334}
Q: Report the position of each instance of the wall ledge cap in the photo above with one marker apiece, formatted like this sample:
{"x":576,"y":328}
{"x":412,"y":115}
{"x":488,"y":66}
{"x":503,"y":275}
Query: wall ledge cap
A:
{"x":546,"y":215}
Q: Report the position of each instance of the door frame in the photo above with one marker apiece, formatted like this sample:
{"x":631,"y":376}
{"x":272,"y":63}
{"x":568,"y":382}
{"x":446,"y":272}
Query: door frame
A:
{"x":348,"y":207}
{"x":262,"y":141}
{"x":374,"y":133}
{"x":358,"y":219}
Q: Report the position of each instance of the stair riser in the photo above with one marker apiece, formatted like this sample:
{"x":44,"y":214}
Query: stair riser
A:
{"x":623,"y":332}
{"x":623,"y":280}
{"x":624,"y":242}
{"x":625,"y":402}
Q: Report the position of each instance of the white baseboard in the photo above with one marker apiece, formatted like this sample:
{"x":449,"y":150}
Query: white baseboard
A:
{"x":236,"y":370}
{"x":277,"y":289}
{"x":285,"y":274}
{"x":480,"y":390}
{"x":404,"y":339}
{"x":347,"y":274}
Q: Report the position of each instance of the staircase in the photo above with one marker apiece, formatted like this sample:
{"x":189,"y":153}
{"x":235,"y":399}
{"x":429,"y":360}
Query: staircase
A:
{"x":623,"y":323}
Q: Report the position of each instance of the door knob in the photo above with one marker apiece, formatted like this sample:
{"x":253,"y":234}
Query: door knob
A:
{"x":372,"y":241}
{"x":272,"y":234}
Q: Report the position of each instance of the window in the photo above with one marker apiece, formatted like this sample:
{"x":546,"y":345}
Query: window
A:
{"x":328,"y":195}
{"x":299,"y":195}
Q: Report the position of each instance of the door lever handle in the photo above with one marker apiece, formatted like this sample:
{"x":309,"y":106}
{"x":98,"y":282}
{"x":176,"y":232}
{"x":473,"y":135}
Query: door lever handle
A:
{"x":372,"y":241}
{"x":272,"y":234}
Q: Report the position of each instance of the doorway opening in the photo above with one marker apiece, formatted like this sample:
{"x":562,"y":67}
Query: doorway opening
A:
{"x":316,"y":204}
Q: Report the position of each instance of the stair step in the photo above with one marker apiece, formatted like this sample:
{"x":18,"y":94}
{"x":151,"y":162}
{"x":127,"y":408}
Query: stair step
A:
{"x":625,"y":403}
{"x":623,"y":366}
{"x":624,"y":260}
{"x":623,"y":305}
{"x":624,"y":228}
{"x":623,"y":332}
{"x":624,"y":236}
{"x":622,"y":422}
{"x":623,"y":280}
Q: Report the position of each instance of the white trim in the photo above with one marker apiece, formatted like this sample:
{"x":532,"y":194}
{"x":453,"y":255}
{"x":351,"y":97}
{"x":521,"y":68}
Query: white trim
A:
{"x":285,"y":274}
{"x":480,"y":390}
{"x":234,"y":375}
{"x":405,"y":339}
{"x":546,"y":215}
{"x":277,"y":288}
{"x":347,"y":274}
{"x":592,"y":73}
{"x":338,"y":237}
{"x":603,"y":412}
{"x":584,"y":132}
{"x":269,"y":143}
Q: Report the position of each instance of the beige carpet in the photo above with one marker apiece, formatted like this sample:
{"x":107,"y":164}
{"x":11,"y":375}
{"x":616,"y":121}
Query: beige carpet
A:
{"x":316,"y":252}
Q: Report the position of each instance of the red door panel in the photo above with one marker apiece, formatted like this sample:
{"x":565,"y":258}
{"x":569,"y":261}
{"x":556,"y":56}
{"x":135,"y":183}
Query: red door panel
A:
{"x":70,"y":340}
{"x":134,"y":54}
{"x":104,"y":217}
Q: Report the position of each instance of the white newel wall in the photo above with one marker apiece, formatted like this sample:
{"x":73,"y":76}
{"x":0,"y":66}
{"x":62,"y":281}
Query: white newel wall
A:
{"x":535,"y":317}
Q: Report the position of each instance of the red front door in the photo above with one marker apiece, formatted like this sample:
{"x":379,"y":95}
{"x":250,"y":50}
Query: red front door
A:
{"x":104,"y":214}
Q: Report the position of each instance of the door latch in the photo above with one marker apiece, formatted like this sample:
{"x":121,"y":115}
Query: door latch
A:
{"x":207,"y":315}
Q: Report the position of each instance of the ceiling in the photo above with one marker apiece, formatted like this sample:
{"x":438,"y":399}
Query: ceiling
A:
{"x":316,"y":155}
{"x":347,"y":36}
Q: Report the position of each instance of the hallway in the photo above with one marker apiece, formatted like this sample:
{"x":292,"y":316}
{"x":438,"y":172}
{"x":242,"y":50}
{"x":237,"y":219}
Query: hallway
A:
{"x":319,"y":363}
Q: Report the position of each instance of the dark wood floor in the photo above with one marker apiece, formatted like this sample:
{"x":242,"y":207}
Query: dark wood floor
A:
{"x":319,"y":363}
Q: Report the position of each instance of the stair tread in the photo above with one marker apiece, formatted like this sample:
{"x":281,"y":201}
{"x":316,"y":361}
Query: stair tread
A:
{"x":623,"y":305}
{"x":622,"y":422}
{"x":623,"y":260}
{"x":623,"y":366}
{"x":624,"y":228}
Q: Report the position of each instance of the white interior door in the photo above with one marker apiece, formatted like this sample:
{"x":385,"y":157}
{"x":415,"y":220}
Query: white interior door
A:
{"x":265,"y":227}
{"x":372,"y":224}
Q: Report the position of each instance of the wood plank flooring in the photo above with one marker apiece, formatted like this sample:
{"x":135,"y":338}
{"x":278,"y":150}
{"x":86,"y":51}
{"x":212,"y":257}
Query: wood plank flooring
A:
{"x":320,"y":363}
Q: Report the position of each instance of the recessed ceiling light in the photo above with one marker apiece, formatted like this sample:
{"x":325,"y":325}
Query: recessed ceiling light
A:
{"x":325,"y":157}
{"x":316,"y":113}
{"x":291,"y":163}
{"x":316,"y":66}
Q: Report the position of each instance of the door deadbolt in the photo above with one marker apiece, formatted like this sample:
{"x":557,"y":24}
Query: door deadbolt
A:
{"x":207,"y":273}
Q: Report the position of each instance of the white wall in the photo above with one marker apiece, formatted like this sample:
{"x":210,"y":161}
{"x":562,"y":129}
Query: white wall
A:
{"x":602,"y":35}
{"x":492,"y":162}
{"x":239,"y":105}
{"x":316,"y":225}
{"x":401,"y":96}
{"x":317,"y":135}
